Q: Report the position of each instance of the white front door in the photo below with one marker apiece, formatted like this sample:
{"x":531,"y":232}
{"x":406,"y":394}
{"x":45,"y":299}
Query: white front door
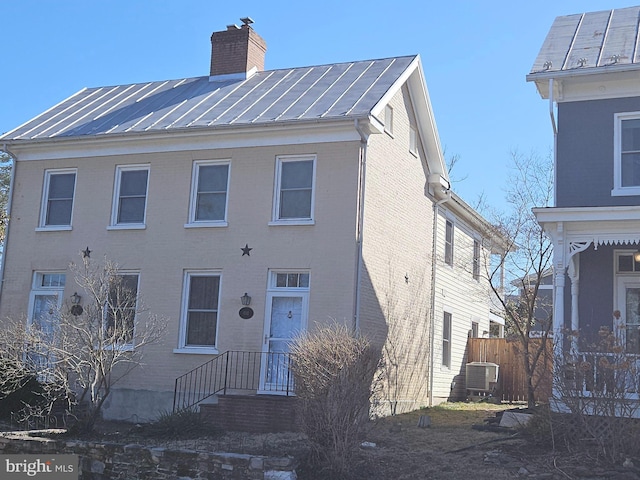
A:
{"x":286,"y":317}
{"x":43,"y":323}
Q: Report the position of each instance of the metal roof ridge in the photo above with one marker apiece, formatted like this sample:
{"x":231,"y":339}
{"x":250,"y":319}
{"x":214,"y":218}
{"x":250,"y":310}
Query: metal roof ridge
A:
{"x":291,"y":105}
{"x":604,"y":37}
{"x":350,"y":65}
{"x":344,"y":92}
{"x":269,"y":90}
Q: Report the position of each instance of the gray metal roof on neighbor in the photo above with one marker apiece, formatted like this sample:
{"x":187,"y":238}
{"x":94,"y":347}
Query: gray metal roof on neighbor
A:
{"x":342,"y":90}
{"x":589,"y":41}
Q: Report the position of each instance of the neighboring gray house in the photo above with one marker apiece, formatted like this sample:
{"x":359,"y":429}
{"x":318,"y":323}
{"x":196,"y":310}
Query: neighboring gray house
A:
{"x":588,"y":70}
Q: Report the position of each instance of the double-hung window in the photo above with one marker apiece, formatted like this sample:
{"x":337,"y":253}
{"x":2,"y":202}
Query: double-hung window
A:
{"x":476,"y":259}
{"x":200,"y":312}
{"x":57,"y":199}
{"x":446,"y":340}
{"x":209,"y":186}
{"x":120,"y":310}
{"x":448,"y":243}
{"x":294,"y":189}
{"x":626,"y":167}
{"x":130,"y":196}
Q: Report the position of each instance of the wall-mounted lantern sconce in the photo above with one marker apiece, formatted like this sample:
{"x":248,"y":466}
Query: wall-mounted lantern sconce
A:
{"x":245,"y":299}
{"x":76,"y":308}
{"x":636,"y":256}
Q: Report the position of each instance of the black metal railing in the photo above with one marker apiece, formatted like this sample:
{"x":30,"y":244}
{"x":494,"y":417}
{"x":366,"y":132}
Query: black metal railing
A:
{"x":237,"y":372}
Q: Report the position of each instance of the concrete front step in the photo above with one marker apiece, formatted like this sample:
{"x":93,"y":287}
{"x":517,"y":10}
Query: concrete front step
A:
{"x":252,"y":413}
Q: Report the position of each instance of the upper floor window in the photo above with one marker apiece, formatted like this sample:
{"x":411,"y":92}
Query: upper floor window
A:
{"x":448,"y":243}
{"x":388,"y":119}
{"x":130,"y":196}
{"x":476,"y":260}
{"x":209,"y":193}
{"x":57,"y":198}
{"x":294,"y":193}
{"x":626,"y":154}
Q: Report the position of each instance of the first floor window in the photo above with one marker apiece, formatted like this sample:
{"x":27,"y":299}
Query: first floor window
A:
{"x":200,"y":316}
{"x":130,"y":197}
{"x":446,"y":340}
{"x":120,"y":309}
{"x":294,"y":189}
{"x":59,"y":188}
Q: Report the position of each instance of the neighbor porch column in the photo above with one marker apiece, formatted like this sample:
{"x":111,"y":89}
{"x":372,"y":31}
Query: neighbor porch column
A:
{"x":574,"y":276}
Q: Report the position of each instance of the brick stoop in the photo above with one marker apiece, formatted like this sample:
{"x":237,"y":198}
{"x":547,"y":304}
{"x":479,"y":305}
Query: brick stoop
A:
{"x":252,"y":413}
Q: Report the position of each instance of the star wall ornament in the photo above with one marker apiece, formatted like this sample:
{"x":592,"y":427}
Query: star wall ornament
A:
{"x":86,"y":253}
{"x":246,"y":250}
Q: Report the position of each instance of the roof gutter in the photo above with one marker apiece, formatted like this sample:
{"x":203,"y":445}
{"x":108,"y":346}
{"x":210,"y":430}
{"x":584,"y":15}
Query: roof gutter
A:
{"x":3,"y":254}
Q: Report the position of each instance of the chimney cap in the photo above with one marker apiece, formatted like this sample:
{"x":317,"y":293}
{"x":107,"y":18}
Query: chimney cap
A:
{"x":233,"y":26}
{"x":247,"y":20}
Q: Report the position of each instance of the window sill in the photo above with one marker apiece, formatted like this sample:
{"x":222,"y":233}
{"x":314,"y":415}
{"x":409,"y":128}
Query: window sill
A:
{"x":625,"y":191}
{"x":300,"y":221}
{"x":56,"y":228}
{"x":129,"y":226}
{"x":197,"y":350}
{"x":206,"y":225}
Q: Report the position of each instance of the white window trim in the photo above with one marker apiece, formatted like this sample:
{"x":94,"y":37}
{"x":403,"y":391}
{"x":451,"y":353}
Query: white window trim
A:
{"x":42,"y":227}
{"x":478,"y":242}
{"x":275,"y":220}
{"x":618,"y":189}
{"x":193,"y":223}
{"x":116,"y":198}
{"x":182,"y":334}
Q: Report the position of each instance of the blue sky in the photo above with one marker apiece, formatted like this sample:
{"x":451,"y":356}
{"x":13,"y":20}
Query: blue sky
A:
{"x":475,"y":56}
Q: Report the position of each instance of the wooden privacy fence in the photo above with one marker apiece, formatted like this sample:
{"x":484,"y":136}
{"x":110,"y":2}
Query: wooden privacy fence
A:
{"x":512,"y":386}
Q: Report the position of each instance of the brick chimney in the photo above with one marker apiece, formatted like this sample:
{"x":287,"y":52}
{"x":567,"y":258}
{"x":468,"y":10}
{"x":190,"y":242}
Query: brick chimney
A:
{"x":237,"y":50}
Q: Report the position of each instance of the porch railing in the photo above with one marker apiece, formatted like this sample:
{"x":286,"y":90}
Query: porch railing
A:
{"x":235,"y":371}
{"x":608,"y":374}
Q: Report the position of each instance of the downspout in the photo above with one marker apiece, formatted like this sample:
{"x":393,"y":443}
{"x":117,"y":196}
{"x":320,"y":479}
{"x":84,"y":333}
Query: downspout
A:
{"x":434,"y":252}
{"x":362,"y":170}
{"x":554,"y":126}
{"x":9,"y":203}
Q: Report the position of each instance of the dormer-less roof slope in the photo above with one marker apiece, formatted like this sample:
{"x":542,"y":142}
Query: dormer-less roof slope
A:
{"x":336,"y":91}
{"x":590,"y":43}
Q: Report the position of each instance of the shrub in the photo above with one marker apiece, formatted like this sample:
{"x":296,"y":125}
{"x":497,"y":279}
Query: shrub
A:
{"x":335,"y":371}
{"x":184,"y":423}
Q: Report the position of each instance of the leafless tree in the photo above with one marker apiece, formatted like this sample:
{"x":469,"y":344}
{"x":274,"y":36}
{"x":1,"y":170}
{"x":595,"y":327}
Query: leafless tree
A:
{"x":526,"y":265}
{"x":85,"y":350}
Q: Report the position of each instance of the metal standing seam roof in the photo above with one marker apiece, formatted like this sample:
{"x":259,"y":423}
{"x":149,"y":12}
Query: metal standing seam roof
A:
{"x":340,"y":90}
{"x":591,"y":40}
